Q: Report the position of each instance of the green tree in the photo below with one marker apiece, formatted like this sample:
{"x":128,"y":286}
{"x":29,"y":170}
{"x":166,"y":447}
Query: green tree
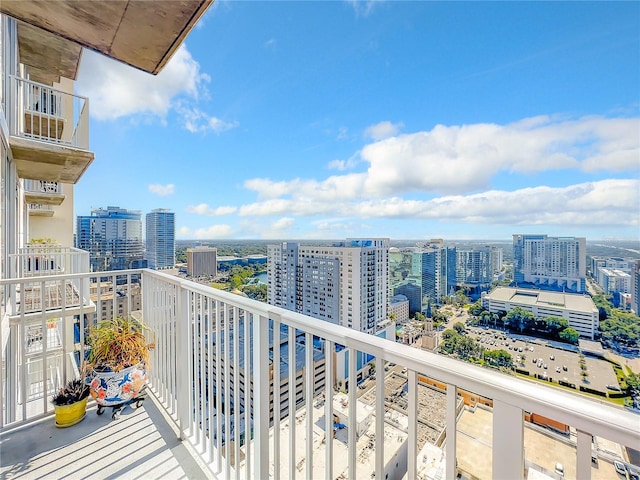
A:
{"x":554,"y":325}
{"x":517,"y":318}
{"x":569,"y":335}
{"x":459,"y":327}
{"x":498,"y":358}
{"x":476,"y":308}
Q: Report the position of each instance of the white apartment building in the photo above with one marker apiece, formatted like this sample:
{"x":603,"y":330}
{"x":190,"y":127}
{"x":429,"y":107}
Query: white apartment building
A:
{"x":579,"y":310}
{"x":344,"y":283}
{"x":202,"y":261}
{"x":550,"y":263}
{"x":613,"y":280}
{"x":398,"y":308}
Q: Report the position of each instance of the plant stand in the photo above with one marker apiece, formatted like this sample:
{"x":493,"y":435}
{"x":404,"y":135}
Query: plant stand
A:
{"x":117,"y":408}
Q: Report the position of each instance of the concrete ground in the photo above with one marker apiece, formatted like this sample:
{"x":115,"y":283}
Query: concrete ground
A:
{"x":543,"y":448}
{"x":141,"y":444}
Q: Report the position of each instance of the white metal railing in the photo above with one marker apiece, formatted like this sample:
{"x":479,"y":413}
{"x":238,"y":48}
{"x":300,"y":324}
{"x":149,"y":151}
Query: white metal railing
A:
{"x":44,"y":113}
{"x":43,"y":259}
{"x":40,"y":208}
{"x":42,"y":186}
{"x":215,"y":371}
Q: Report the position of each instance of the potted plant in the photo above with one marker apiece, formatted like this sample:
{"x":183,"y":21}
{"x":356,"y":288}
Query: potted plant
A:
{"x":118,"y":361}
{"x":70,"y":403}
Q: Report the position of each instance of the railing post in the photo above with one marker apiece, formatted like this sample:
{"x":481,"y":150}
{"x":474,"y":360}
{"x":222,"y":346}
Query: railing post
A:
{"x":508,"y":441}
{"x":261,"y":397}
{"x":183,"y":360}
{"x":451,"y":426}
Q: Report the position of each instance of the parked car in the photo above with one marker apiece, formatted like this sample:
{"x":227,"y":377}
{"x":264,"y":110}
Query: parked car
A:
{"x":564,"y":367}
{"x":559,"y":469}
{"x":557,"y":369}
{"x":634,"y":473}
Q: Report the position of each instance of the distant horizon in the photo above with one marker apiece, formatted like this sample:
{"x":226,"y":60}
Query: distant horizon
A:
{"x":299,"y":240}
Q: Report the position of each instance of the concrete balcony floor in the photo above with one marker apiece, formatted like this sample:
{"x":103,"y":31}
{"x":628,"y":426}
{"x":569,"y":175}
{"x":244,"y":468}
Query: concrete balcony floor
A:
{"x":140,"y":444}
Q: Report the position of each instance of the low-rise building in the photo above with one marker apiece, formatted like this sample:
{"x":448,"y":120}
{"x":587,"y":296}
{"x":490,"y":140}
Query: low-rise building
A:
{"x":579,"y":310}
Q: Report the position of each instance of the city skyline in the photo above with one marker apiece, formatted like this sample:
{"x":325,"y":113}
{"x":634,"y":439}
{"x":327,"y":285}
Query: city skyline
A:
{"x":404,"y":120}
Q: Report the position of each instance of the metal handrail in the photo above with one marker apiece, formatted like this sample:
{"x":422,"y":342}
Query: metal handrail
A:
{"x":44,"y":113}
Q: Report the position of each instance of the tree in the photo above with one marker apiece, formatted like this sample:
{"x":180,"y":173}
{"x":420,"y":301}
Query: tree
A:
{"x":476,"y":308}
{"x":517,"y":318}
{"x":459,"y":327}
{"x":633,"y":381}
{"x":554,"y":325}
{"x":498,"y":358}
{"x":569,"y":335}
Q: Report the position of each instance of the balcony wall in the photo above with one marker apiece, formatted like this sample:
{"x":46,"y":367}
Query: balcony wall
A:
{"x":214,"y":373}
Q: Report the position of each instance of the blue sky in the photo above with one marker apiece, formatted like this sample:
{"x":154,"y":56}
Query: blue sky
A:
{"x":408,"y":120}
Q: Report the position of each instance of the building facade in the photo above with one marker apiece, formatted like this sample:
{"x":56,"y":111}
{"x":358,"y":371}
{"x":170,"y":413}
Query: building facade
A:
{"x":579,"y":310}
{"x":550,"y":263}
{"x":113,"y":238}
{"x":202,"y":261}
{"x":344,"y":283}
{"x":635,"y":287}
{"x":160,"y":239}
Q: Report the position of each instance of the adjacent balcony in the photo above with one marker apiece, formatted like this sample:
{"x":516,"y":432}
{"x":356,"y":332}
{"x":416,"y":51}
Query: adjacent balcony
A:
{"x":49,"y":131}
{"x":256,"y":391}
{"x":40,"y":192}
{"x":40,"y":210}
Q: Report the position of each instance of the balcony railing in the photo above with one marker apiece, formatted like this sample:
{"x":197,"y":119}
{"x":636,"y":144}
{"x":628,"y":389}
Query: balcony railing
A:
{"x":42,"y":187}
{"x":40,"y":209}
{"x":43,"y":113}
{"x":38,"y":260}
{"x":213,"y":371}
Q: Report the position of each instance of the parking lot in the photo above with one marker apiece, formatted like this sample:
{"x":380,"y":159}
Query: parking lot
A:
{"x":539,"y":356}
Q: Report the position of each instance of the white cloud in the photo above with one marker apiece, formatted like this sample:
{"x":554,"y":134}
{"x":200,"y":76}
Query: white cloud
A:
{"x":382,"y":130}
{"x":204,"y":209}
{"x":272,"y":42}
{"x":195,"y":120}
{"x":118,"y":90}
{"x":184,"y":232}
{"x":283,"y":223}
{"x":162,"y":190}
{"x":363,"y":7}
{"x":342,"y":165}
{"x":464,"y":159}
{"x":606,"y":202}
{"x":213,"y":232}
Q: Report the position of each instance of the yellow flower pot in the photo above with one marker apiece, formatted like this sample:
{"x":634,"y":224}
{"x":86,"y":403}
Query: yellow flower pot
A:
{"x":67,"y":415}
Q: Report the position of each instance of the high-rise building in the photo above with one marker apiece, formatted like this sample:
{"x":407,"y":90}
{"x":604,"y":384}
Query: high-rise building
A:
{"x":550,"y":263}
{"x":430,"y":267}
{"x":160,"y":240}
{"x":435,"y":265}
{"x":344,"y":283}
{"x":475,"y":266}
{"x":635,"y":287}
{"x":113,"y":238}
{"x":202,"y":261}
